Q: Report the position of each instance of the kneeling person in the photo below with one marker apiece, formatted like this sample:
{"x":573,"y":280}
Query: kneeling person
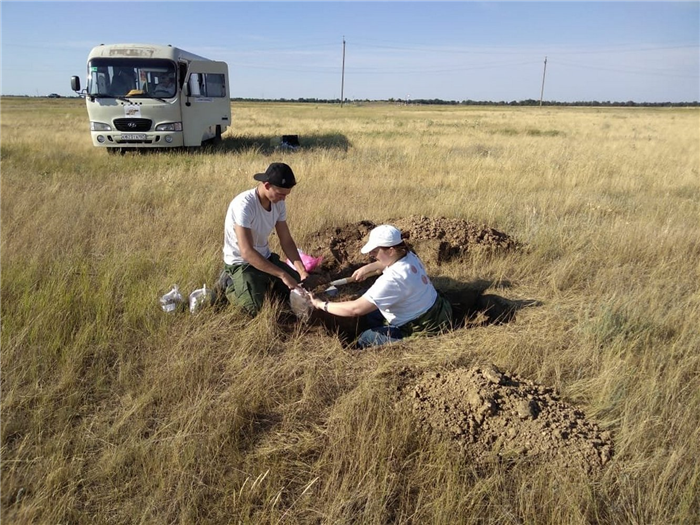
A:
{"x":248,"y":260}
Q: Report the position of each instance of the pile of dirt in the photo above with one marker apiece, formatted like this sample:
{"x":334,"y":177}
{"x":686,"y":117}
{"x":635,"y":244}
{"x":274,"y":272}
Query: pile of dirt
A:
{"x":435,"y":240}
{"x":491,"y":416}
{"x":441,"y":239}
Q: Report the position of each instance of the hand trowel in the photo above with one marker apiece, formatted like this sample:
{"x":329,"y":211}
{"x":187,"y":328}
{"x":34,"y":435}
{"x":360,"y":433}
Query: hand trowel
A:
{"x":333,"y":290}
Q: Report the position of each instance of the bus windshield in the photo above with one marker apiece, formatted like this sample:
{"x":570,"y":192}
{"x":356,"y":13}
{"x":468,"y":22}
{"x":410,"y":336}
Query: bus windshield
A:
{"x":131,"y":77}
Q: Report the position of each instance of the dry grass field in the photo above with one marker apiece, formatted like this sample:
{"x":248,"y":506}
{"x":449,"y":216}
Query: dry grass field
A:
{"x":114,"y":412}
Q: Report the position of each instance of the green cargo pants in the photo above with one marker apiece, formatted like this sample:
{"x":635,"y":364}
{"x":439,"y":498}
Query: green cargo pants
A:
{"x":437,"y":318}
{"x":250,"y":285}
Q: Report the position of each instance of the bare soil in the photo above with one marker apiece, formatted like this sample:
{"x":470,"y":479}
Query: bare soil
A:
{"x":488,"y":414}
{"x":494,"y":416}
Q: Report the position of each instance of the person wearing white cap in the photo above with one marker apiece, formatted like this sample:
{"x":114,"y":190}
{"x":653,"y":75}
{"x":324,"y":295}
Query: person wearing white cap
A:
{"x":402,"y":302}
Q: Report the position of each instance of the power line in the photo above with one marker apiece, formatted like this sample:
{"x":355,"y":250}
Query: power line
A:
{"x":382,"y":70}
{"x":650,"y":72}
{"x":477,"y":50}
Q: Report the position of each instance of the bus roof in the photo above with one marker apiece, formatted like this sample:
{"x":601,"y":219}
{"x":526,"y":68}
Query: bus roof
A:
{"x":142,"y":51}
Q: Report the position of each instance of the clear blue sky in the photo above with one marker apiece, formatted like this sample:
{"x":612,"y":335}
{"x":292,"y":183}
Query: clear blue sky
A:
{"x":616,"y":51}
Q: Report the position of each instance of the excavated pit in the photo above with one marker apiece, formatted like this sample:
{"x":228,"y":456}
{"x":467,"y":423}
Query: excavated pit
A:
{"x":436,"y":240}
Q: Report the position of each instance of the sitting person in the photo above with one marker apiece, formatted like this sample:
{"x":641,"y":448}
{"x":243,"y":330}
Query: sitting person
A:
{"x":165,"y":88}
{"x":402,"y":302}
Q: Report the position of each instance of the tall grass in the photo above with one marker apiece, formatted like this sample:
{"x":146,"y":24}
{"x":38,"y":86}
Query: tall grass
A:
{"x":114,"y":412}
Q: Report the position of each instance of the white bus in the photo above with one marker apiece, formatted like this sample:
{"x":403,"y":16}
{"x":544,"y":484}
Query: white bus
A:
{"x":154,"y":96}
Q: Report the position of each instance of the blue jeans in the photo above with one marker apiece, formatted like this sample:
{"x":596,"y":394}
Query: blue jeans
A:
{"x":379,"y":333}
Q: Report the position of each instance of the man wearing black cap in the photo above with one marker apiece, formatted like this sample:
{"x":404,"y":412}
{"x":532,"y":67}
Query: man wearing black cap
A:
{"x":248,"y":260}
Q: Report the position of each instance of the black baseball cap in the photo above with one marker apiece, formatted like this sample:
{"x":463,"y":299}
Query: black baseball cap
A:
{"x":278,"y":174}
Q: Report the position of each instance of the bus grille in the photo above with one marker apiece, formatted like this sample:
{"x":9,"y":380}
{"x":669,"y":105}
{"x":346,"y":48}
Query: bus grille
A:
{"x":133,"y":124}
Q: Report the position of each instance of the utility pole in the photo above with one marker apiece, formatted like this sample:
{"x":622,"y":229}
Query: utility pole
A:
{"x":342,"y":81}
{"x":543,"y":74}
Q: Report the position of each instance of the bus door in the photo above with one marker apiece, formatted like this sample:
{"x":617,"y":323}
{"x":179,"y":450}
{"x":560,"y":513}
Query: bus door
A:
{"x":206,"y":105}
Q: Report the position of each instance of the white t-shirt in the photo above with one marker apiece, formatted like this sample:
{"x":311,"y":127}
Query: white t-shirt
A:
{"x":245,"y":210}
{"x":403,"y":292}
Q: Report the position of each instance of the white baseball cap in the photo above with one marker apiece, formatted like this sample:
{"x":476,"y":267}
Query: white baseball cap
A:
{"x":382,"y":236}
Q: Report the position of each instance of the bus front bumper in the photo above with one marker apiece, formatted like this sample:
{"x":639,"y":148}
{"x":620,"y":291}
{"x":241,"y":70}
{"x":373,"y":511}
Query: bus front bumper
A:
{"x":158,"y":139}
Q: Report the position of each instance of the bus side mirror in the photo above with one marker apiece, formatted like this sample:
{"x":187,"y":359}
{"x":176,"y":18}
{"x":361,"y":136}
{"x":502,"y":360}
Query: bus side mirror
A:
{"x":75,"y":83}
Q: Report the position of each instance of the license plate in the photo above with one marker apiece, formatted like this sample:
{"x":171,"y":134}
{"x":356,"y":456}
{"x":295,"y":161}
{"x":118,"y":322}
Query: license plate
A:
{"x":134,"y":136}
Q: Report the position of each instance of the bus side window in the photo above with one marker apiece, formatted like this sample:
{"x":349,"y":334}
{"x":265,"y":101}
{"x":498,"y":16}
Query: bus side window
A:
{"x":216,"y":86}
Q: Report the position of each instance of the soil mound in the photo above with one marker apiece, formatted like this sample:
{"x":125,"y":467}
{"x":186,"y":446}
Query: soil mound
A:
{"x":491,"y":416}
{"x":436,"y":240}
{"x":441,"y":239}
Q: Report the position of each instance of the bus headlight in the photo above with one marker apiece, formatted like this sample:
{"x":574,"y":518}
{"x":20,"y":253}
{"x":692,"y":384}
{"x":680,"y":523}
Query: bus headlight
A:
{"x":99,"y":126}
{"x":169,"y":126}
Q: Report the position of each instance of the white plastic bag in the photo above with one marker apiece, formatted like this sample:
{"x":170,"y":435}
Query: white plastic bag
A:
{"x":171,"y":300}
{"x":301,"y":305}
{"x":200,"y":298}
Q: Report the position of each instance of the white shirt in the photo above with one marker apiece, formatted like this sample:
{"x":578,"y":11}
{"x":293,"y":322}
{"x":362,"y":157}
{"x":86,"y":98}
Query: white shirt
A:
{"x":403,"y":292}
{"x":245,"y":210}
